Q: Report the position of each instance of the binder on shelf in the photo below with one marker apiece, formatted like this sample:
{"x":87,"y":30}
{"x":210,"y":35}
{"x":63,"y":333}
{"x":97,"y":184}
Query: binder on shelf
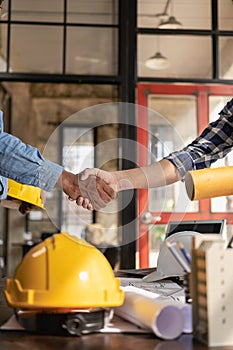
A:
{"x":211,"y":285}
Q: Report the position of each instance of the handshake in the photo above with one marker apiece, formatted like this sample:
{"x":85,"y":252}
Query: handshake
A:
{"x":92,"y":189}
{"x":95,"y":188}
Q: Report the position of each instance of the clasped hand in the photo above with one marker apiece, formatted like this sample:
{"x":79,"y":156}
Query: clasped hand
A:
{"x":97,"y":189}
{"x":87,"y":188}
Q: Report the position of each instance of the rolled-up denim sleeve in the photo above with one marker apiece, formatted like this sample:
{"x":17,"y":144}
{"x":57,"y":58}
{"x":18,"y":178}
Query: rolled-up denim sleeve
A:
{"x":49,"y":174}
{"x":3,"y":187}
{"x":25,"y":164}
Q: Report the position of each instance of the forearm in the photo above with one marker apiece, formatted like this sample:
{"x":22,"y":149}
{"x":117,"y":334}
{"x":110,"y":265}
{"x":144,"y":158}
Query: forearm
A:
{"x":158,"y":174}
{"x":25,"y":164}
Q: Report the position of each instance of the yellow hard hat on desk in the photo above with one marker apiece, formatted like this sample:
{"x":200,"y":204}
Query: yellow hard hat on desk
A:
{"x":63,"y":272}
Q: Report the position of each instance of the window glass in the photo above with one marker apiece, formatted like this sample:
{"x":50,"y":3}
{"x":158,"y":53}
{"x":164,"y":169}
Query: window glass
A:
{"x":42,"y":10}
{"x":190,"y":14}
{"x":65,"y":117}
{"x":229,"y":229}
{"x":3,"y":47}
{"x":166,"y":134}
{"x":225,"y":203}
{"x":156,"y":237}
{"x":4,"y":11}
{"x":36,"y":48}
{"x":187,"y":56}
{"x":87,"y":55}
{"x":225,"y":55}
{"x":93,"y":11}
{"x":225,"y":14}
{"x":75,"y":154}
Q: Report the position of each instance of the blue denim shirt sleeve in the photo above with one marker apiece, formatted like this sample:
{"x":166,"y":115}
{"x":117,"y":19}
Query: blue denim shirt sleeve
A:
{"x":25,"y":164}
{"x":3,"y":187}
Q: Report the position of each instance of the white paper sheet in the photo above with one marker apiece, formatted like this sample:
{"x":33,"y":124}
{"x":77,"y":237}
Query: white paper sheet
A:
{"x":163,"y":287}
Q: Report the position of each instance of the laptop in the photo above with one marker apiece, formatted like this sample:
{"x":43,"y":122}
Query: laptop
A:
{"x":201,"y":226}
{"x":182,"y":231}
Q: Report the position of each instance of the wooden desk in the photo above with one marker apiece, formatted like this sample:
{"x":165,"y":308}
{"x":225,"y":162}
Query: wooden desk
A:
{"x":22,"y":340}
{"x":11,"y":340}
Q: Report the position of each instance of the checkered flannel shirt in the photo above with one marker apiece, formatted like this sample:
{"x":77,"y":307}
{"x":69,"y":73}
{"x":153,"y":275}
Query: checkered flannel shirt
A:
{"x":214,"y":143}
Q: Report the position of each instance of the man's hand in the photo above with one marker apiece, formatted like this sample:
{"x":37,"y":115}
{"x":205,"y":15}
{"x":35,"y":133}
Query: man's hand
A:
{"x":25,"y":207}
{"x":105,"y":183}
{"x":108,"y":177}
{"x":97,"y":190}
{"x":92,"y":193}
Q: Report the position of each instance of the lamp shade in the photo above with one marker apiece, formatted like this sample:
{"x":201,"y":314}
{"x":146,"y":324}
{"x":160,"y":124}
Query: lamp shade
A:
{"x":171,"y":23}
{"x":157,"y":61}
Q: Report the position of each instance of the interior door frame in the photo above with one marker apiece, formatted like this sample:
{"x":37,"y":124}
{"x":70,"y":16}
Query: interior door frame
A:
{"x":202,"y":93}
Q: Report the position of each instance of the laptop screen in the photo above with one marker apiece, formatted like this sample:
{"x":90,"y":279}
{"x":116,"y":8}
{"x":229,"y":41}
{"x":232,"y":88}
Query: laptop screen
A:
{"x":201,"y":226}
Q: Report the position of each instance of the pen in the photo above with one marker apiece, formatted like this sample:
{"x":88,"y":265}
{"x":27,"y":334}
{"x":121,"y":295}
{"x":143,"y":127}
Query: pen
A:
{"x":230,"y":243}
{"x":184,"y":252}
{"x":182,"y":262}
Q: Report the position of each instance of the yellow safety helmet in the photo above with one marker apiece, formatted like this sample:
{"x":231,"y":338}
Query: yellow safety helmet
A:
{"x":63,"y":272}
{"x":26,"y":193}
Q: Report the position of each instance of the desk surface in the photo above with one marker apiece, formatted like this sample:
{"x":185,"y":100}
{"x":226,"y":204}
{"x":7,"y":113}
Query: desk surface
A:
{"x":22,"y":340}
{"x":11,"y":340}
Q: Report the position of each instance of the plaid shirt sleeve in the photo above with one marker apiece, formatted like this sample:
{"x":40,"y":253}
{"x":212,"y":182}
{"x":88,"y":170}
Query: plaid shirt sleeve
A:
{"x":214,"y":143}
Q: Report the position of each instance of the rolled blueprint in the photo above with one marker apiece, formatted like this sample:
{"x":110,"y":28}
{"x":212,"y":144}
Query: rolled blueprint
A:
{"x":186,"y":310}
{"x":209,"y":183}
{"x":164,"y":318}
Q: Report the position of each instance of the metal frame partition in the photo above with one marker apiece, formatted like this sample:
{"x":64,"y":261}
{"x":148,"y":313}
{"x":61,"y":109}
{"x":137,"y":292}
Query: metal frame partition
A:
{"x":125,"y":79}
{"x":202,"y":93}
